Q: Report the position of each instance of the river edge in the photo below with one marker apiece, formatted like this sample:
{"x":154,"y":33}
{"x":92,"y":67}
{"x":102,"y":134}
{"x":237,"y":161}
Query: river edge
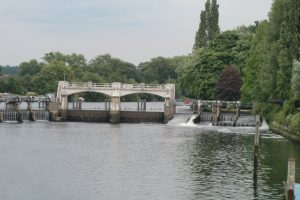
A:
{"x":284,"y":131}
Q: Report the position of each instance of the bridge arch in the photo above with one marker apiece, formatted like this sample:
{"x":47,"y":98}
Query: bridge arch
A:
{"x":123,"y":94}
{"x":106,"y":93}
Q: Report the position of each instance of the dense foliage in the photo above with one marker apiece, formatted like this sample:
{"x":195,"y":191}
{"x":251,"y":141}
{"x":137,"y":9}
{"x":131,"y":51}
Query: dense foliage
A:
{"x":274,"y":47}
{"x":203,"y":67}
{"x":296,"y":80}
{"x":42,"y":77}
{"x":272,"y":69}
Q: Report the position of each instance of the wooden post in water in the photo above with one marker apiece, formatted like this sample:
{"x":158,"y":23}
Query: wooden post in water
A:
{"x":256,"y":145}
{"x":1,"y":117}
{"x":290,"y":183}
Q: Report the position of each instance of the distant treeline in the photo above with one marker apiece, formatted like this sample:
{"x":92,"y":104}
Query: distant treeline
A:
{"x":9,"y":70}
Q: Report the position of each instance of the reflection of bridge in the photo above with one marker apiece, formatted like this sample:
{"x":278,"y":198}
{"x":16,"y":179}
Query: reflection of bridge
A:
{"x":115,"y":91}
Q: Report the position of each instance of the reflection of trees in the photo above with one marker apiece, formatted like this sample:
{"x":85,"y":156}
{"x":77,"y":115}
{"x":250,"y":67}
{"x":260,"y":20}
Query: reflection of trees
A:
{"x":221,"y":166}
{"x":273,"y":161}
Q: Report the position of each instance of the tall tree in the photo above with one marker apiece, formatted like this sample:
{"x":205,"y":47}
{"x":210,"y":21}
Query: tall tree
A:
{"x":209,"y":24}
{"x":213,"y":20}
{"x":275,"y":46}
{"x":201,"y":35}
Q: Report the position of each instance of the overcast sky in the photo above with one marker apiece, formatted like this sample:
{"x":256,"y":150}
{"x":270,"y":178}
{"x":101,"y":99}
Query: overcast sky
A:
{"x":133,"y":30}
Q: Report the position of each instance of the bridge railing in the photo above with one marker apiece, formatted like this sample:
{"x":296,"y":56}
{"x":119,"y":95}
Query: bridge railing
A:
{"x":148,"y":86}
{"x":88,"y":84}
{"x":110,"y":86}
{"x":25,"y":99}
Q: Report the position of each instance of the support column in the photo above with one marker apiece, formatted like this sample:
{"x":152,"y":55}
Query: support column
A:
{"x":19,"y":114}
{"x":237,"y":115}
{"x":31,"y":113}
{"x":115,"y":110}
{"x":64,"y":106}
{"x":168,"y":110}
{"x":216,"y":112}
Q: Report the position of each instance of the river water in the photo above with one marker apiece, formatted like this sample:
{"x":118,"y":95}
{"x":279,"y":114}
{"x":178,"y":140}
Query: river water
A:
{"x":174,"y":161}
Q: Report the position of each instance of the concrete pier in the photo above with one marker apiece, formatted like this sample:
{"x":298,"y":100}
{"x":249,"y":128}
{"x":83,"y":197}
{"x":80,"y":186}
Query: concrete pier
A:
{"x":31,"y":113}
{"x":115,"y":110}
{"x":168,"y":110}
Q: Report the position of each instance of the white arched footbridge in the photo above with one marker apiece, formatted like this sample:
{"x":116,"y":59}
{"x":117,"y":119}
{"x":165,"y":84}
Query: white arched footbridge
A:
{"x":114,"y":90}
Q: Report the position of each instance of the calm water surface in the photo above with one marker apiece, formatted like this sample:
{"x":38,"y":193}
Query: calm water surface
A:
{"x":176,"y":161}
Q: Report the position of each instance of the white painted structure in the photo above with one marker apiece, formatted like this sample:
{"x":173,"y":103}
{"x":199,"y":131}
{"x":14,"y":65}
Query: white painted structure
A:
{"x":114,"y":90}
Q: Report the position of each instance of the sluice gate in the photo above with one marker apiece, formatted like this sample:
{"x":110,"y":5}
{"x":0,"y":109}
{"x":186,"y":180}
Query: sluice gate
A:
{"x":221,"y":113}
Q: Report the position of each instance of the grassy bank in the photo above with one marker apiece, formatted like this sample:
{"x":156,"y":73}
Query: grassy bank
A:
{"x":283,"y":120}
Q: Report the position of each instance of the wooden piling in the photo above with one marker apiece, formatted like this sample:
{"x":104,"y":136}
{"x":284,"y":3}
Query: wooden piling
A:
{"x":256,"y":145}
{"x":290,"y":183}
{"x":1,"y":117}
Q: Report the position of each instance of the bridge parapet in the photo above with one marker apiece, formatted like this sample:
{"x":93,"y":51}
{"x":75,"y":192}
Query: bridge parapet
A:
{"x":116,"y":85}
{"x":115,"y":89}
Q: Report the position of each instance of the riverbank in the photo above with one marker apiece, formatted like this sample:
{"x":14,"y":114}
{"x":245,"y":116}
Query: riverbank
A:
{"x":285,"y":131}
{"x":283,"y":120}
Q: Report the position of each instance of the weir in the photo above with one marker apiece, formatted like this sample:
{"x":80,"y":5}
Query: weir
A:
{"x":57,"y":109}
{"x":13,"y":113}
{"x":224,"y":113}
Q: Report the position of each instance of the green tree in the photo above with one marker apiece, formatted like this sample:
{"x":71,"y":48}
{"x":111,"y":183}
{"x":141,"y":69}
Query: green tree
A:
{"x":32,"y":67}
{"x":78,"y":64}
{"x":203,"y":67}
{"x":201,"y":35}
{"x":275,"y":46}
{"x":213,"y":20}
{"x":209,"y":24}
{"x":158,"y":69}
{"x":54,"y":57}
{"x":296,"y":80}
{"x":46,"y":81}
{"x":113,"y":69}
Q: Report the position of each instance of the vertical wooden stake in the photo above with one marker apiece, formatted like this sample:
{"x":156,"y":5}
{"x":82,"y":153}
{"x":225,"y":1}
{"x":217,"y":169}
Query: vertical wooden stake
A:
{"x":256,"y":145}
{"x":290,"y":183}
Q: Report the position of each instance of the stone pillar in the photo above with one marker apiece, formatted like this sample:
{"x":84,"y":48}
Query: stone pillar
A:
{"x":115,"y":110}
{"x":31,"y":113}
{"x":216,"y":111}
{"x":53,"y":109}
{"x":64,"y":102}
{"x":64,"y":107}
{"x":168,"y":110}
{"x":199,"y":111}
